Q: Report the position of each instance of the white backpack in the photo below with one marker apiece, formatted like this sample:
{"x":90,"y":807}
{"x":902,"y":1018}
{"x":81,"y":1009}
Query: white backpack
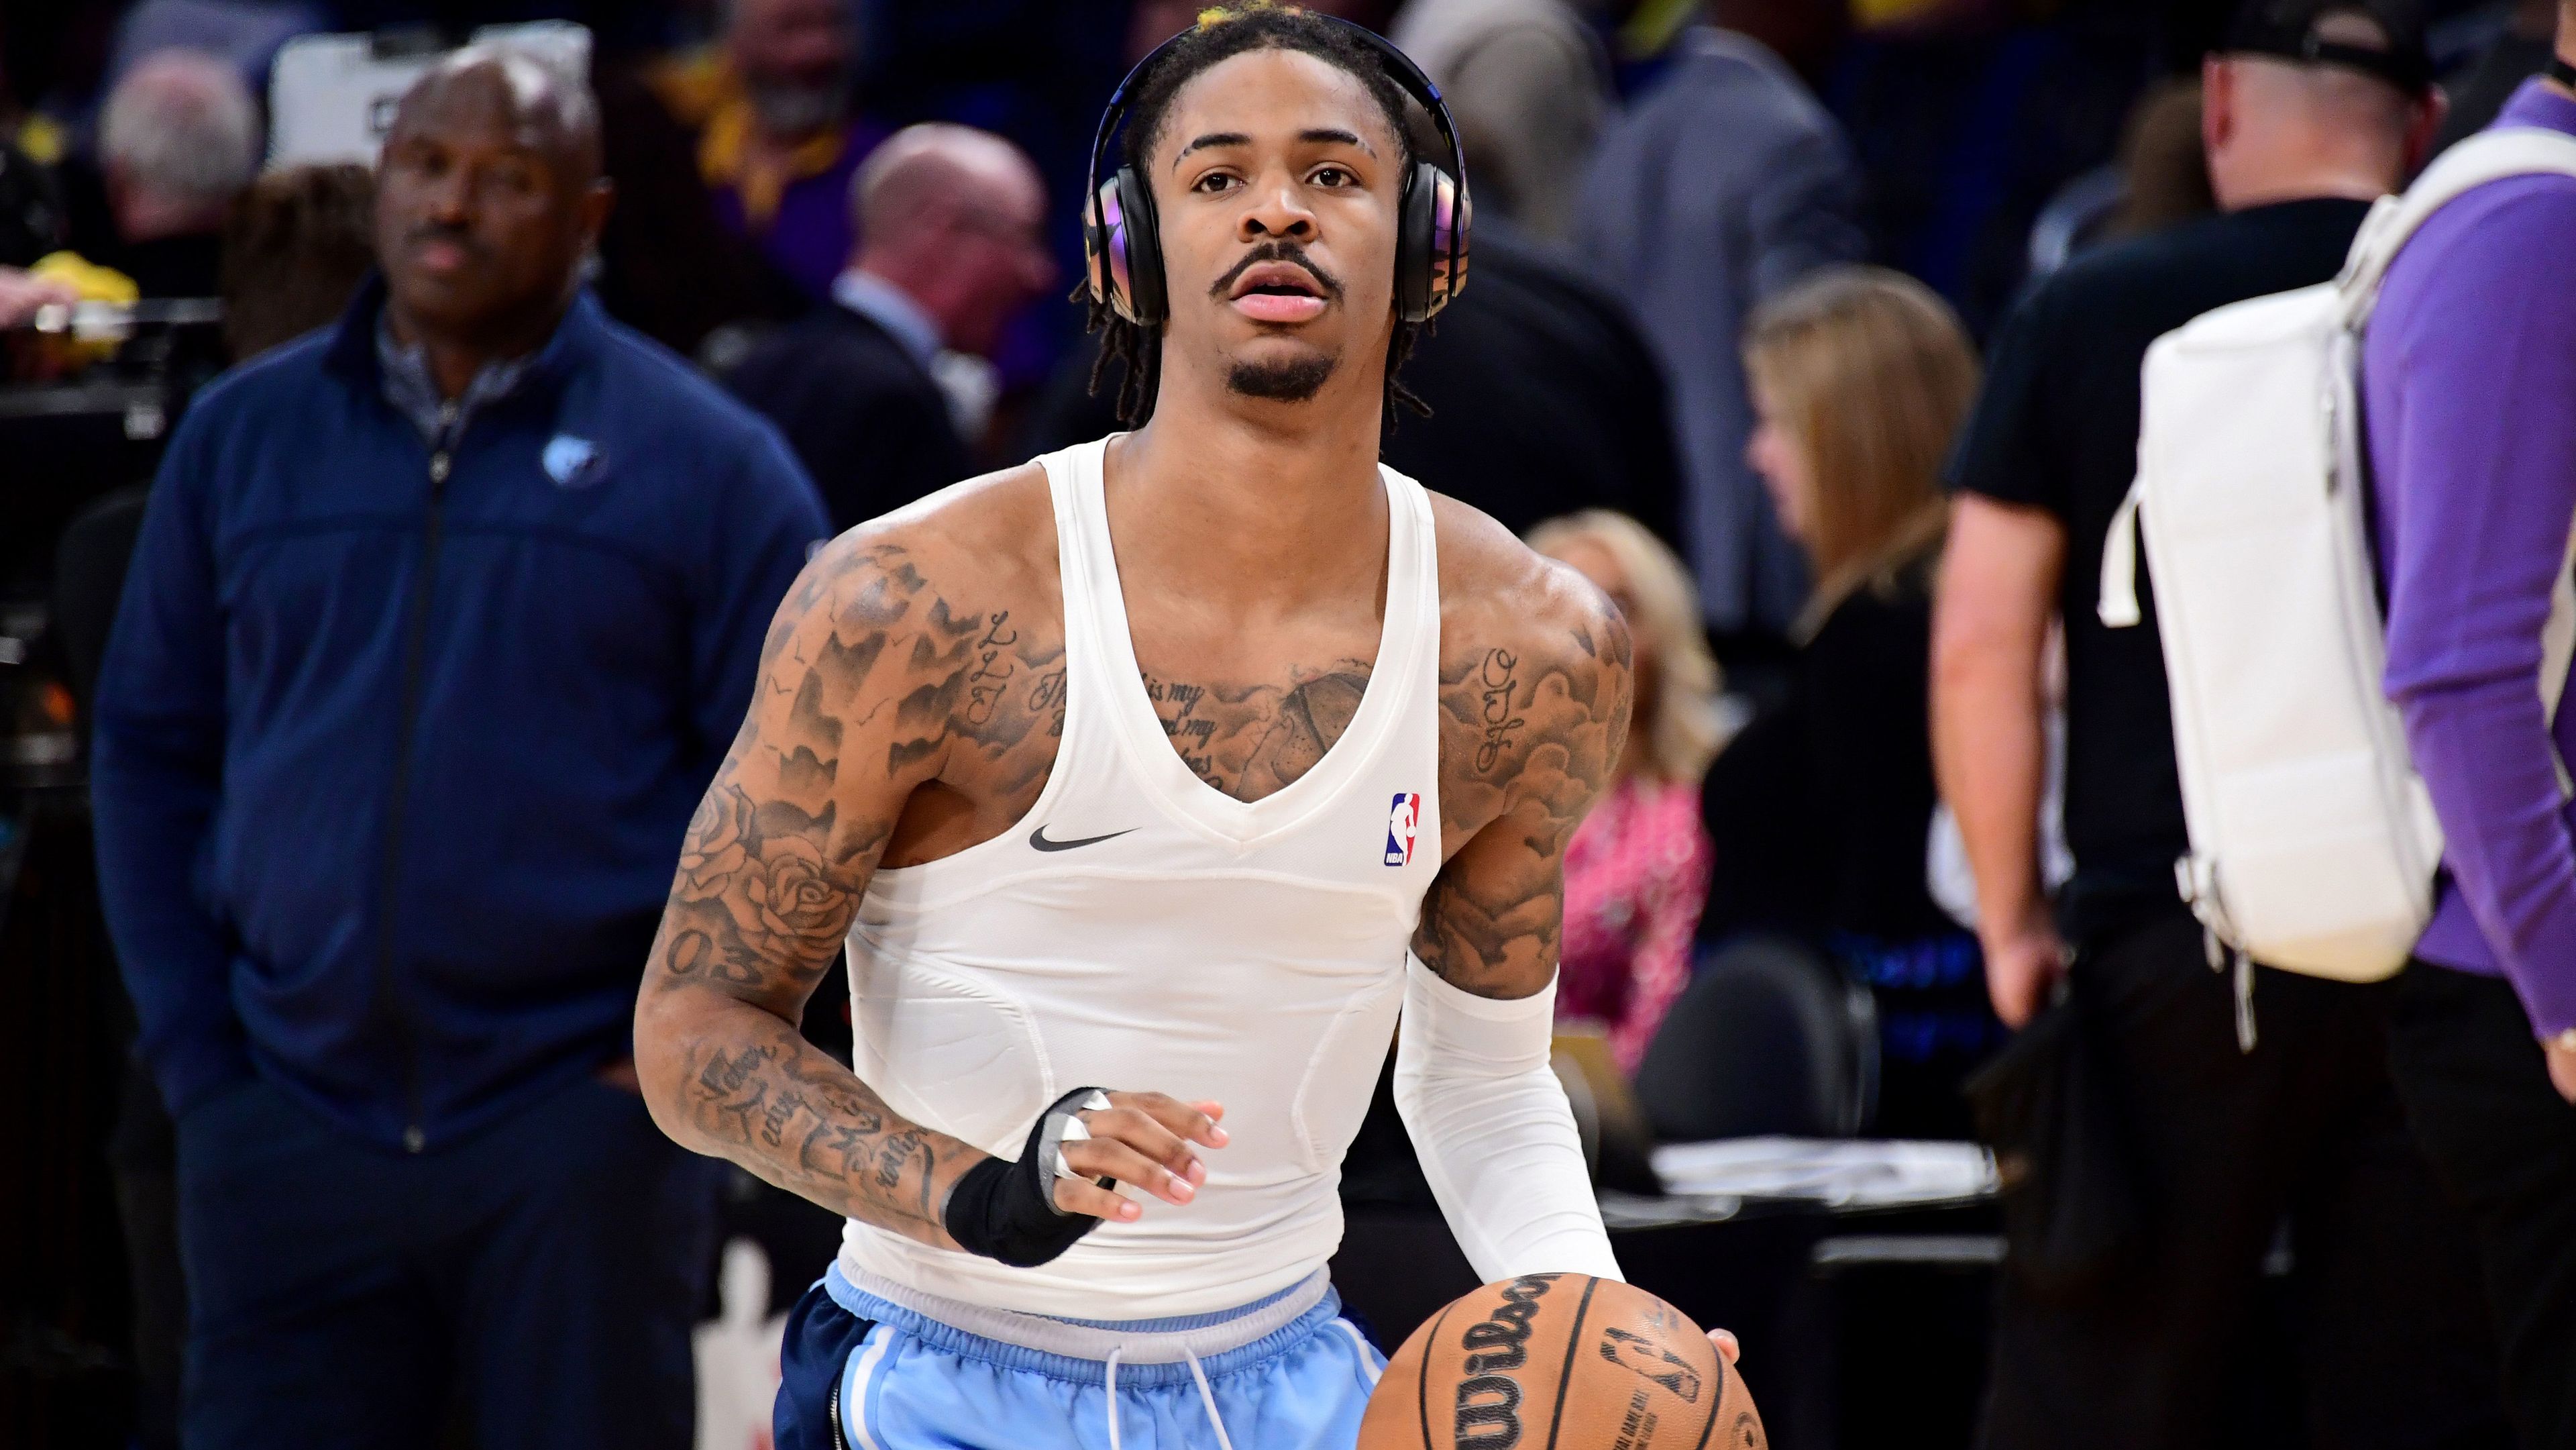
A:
{"x":2313,"y":841}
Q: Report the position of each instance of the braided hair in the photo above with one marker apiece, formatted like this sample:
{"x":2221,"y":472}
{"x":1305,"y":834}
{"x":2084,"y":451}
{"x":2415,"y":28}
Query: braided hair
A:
{"x":1220,"y":34}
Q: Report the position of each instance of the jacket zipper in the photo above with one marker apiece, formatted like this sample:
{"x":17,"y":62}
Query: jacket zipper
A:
{"x":415,"y":661}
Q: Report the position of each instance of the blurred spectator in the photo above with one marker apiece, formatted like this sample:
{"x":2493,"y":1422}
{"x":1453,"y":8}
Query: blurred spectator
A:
{"x":437,"y":626}
{"x":1821,"y":807}
{"x":2470,"y":376}
{"x":244,"y":34}
{"x":1151,"y":22}
{"x":669,"y":265}
{"x":2496,"y":74}
{"x":1637,"y":869}
{"x":779,"y":144}
{"x":2159,"y":178}
{"x":2163,"y":170}
{"x":1529,"y":86}
{"x":178,"y":140}
{"x":296,"y":247}
{"x":1721,"y":186}
{"x":885,"y":393}
{"x":1543,"y":398}
{"x":2222,"y":1144}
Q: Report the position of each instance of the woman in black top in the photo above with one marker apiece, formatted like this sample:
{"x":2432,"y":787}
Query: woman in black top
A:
{"x":1820,"y":809}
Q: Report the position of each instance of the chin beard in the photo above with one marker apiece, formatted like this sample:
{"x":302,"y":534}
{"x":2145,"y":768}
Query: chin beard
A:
{"x":1287,"y":380}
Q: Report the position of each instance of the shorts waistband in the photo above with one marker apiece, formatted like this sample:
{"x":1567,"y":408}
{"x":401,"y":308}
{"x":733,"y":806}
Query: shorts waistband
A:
{"x":1148,"y":1350}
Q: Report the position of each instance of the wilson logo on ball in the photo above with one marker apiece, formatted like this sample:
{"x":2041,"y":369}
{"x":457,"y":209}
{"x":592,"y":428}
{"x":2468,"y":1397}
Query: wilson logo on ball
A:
{"x":1489,"y":1400}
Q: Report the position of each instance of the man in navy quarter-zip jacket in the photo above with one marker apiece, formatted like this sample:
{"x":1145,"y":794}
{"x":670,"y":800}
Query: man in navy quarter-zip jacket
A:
{"x":439,"y":624}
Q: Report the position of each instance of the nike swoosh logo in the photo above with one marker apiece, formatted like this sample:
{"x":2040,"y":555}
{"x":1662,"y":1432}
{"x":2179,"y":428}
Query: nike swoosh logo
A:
{"x":1038,"y":838}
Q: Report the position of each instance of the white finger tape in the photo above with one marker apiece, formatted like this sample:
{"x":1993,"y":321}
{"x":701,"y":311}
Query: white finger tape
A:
{"x":1073,"y":1132}
{"x":1066,"y":1126}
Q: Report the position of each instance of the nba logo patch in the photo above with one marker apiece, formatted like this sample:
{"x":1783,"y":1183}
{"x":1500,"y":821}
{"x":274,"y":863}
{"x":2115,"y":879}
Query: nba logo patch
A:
{"x":1403,"y":822}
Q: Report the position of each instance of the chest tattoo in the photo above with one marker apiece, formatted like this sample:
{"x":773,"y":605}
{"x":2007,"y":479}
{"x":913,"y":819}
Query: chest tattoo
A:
{"x":1250,"y":741}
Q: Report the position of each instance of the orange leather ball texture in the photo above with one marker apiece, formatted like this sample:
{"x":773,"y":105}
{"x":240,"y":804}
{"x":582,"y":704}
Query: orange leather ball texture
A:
{"x":1560,"y":1362}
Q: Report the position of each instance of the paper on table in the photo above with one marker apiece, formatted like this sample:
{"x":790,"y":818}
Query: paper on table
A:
{"x":1839,"y":1173}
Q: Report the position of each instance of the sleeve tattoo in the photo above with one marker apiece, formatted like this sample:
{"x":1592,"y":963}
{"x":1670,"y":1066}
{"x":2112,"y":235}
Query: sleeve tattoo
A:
{"x":1542,"y":732}
{"x":869,"y":682}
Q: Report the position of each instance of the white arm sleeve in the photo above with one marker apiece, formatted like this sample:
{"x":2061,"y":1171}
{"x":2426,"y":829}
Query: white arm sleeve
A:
{"x":1491,"y":1126}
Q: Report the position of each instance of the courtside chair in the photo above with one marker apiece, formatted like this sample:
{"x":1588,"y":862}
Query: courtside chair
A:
{"x":1771,"y":1037}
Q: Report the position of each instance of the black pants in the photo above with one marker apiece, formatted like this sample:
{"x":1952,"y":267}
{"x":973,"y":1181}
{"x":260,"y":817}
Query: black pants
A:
{"x":2390,"y":1331}
{"x":549,"y":1268}
{"x":2478,"y":1093}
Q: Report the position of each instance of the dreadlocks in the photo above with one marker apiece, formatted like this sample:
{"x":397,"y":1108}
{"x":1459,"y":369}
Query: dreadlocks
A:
{"x":1219,"y":35}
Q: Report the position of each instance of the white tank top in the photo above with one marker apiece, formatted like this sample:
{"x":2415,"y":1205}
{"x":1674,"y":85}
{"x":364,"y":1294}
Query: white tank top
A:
{"x":1141,"y":930}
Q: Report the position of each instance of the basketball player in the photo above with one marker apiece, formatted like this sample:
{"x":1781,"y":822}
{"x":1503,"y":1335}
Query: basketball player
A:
{"x":1146,"y":781}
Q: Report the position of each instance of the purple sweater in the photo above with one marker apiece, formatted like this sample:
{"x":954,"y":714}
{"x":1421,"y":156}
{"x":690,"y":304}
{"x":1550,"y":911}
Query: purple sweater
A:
{"x":2469,"y":374}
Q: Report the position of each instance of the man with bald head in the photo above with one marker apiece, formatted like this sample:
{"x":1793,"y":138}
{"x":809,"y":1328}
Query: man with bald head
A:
{"x":440,"y":621}
{"x":883,"y":393}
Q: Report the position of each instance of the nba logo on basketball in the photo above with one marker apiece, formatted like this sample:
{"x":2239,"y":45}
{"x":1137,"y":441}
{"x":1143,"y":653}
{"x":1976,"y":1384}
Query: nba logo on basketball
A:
{"x":1402,"y":820}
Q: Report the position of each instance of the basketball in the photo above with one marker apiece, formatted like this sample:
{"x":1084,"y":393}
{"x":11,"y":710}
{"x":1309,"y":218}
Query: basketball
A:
{"x":1561,"y":1360}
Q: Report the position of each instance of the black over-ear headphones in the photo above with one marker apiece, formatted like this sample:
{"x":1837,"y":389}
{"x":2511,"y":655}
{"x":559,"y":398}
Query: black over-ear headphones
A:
{"x":1123,"y":251}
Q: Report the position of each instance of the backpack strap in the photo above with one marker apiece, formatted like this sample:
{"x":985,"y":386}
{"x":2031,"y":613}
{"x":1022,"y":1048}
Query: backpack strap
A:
{"x":2491,"y":155}
{"x":2116,"y":602}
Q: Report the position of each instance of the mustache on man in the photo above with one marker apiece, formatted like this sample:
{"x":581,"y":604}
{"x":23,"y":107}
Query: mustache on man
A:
{"x":1289,"y":252}
{"x":435,"y":231}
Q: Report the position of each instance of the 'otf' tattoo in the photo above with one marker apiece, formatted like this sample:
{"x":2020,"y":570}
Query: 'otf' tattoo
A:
{"x":1539,"y":735}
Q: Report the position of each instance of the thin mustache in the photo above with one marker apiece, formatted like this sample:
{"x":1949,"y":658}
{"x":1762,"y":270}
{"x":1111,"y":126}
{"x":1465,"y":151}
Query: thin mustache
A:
{"x":1276,"y":252}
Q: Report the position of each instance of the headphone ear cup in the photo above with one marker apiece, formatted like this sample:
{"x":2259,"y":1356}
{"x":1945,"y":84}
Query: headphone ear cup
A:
{"x":1102,"y":222}
{"x":1445,"y":219}
{"x":1453,"y":218}
{"x":1414,"y":300}
{"x":1140,"y":283}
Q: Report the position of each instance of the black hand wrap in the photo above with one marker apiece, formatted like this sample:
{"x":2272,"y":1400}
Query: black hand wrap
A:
{"x":1006,"y":1210}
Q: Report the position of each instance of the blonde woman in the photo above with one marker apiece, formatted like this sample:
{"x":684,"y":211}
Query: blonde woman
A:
{"x":1820,"y":809}
{"x":1637,"y":869}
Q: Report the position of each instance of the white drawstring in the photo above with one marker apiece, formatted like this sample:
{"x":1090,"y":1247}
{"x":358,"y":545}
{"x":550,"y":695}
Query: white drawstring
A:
{"x":1112,"y":1388}
{"x":2244,"y":1003}
{"x":1207,"y":1397}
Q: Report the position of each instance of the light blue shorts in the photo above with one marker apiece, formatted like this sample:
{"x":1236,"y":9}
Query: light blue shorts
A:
{"x":1285,"y":1372}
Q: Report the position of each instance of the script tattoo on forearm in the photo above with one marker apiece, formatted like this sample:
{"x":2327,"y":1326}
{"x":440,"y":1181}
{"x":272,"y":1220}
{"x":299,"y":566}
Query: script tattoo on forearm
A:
{"x":1546,"y":732}
{"x":788,"y":1111}
{"x":776,"y":859}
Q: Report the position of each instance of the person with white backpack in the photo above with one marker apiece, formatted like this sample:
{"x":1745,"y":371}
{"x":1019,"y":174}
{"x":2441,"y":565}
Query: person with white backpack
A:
{"x":2468,"y":371}
{"x":2249,"y":1108}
